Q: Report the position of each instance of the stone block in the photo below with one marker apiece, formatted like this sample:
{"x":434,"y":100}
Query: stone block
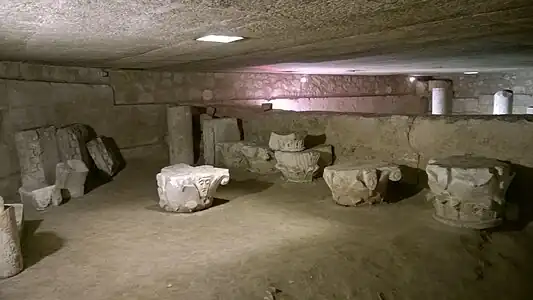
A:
{"x":40,"y":196}
{"x":38,"y":155}
{"x":71,"y":176}
{"x":185,"y":189}
{"x":216,"y":131}
{"x":72,"y":141}
{"x":180,"y":134}
{"x":290,"y":142}
{"x":106,"y":155}
{"x":357,"y":184}
{"x":469,"y":191}
{"x":297,"y":167}
{"x":10,"y":250}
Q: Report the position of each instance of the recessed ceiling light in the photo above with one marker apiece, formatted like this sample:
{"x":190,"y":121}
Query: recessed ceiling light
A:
{"x":219,"y":38}
{"x":303,"y":79}
{"x":471,"y":72}
{"x":412,"y":78}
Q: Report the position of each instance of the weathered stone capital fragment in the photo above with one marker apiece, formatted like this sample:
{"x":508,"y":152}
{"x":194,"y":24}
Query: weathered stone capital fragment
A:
{"x":291,"y":142}
{"x":297,"y":166}
{"x":355,"y":184}
{"x":469,"y":191}
{"x":183,"y":188}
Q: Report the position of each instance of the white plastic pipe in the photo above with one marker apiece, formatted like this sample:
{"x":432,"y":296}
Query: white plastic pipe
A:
{"x":440,"y":101}
{"x":503,"y":103}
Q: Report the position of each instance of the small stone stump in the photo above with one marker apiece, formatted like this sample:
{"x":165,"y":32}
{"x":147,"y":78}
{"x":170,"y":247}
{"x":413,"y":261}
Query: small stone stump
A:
{"x":106,"y":158}
{"x":186,"y":189}
{"x":10,"y":250}
{"x":356,"y":184}
{"x":71,"y":176}
{"x":40,"y":196}
{"x":469,"y":191}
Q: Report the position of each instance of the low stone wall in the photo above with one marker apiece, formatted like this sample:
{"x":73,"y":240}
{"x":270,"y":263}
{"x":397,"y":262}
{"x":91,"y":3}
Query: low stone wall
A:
{"x":406,"y":140}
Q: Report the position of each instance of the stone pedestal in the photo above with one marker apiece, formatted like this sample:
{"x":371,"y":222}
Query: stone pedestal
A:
{"x":290,"y":142}
{"x":297,"y":166}
{"x":71,"y":176}
{"x":38,"y":155}
{"x":71,"y":142}
{"x":357,"y":184}
{"x":185,"y":189}
{"x":10,"y":250}
{"x":40,"y":196}
{"x":217,"y":131}
{"x":180,"y":135}
{"x":503,"y":103}
{"x":469,"y":191}
{"x":105,"y":155}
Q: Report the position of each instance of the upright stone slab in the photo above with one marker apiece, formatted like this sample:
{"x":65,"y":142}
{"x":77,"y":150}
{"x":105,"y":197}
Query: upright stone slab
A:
{"x":71,"y":176}
{"x":469,"y":191}
{"x":10,"y":250}
{"x":180,"y":135}
{"x":503,"y":103}
{"x":38,"y":155}
{"x":72,"y":141}
{"x":105,"y":156}
{"x":353,"y":184}
{"x":185,"y":189}
{"x":216,"y":131}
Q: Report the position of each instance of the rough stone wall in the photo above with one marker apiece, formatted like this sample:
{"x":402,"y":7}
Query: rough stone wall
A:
{"x":407,"y":140}
{"x":33,"y":96}
{"x":384,"y":94}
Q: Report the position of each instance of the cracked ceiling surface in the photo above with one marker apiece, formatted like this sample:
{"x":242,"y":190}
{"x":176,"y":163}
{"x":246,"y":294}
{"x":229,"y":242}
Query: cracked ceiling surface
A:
{"x":364,"y":36}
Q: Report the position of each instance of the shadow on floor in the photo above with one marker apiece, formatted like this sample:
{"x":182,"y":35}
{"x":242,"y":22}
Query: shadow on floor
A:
{"x":37,"y":246}
{"x":519,"y":198}
{"x":413,"y":182}
{"x":156,"y":207}
{"x":247,"y":186}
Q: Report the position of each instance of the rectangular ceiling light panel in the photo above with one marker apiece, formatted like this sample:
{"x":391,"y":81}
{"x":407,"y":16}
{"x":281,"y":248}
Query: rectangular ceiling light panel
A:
{"x":219,"y":38}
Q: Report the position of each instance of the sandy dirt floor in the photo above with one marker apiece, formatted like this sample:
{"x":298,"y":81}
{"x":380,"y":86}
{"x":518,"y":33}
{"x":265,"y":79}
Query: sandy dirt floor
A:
{"x":115,"y":244}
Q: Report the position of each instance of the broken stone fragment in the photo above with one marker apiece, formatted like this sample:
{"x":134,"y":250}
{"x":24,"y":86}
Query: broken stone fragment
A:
{"x":469,"y":191}
{"x":72,"y":141}
{"x":71,"y":176}
{"x":41,"y":196}
{"x":38,"y":155}
{"x":10,"y":250}
{"x":105,"y":154}
{"x":185,"y":189}
{"x":356,"y":184}
{"x":291,"y":142}
{"x":260,"y":158}
{"x":231,"y":155}
{"x":297,"y":166}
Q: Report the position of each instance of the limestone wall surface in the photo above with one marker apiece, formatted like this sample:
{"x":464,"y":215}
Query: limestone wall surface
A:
{"x":33,"y":96}
{"x":407,"y":140}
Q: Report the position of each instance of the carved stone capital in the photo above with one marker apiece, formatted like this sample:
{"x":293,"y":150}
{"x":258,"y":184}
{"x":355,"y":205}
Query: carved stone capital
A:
{"x":356,"y":184}
{"x":297,"y":166}
{"x":291,"y":142}
{"x":183,"y":188}
{"x":468,"y":191}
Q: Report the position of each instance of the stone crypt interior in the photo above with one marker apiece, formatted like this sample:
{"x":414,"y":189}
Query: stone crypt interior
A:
{"x":266,"y":149}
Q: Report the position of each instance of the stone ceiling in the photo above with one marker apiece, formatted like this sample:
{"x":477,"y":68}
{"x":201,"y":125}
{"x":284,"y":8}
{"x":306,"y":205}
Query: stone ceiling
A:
{"x":390,"y":35}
